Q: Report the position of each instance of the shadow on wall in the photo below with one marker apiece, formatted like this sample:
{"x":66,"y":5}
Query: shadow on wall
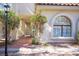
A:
{"x":78,"y":30}
{"x":46,"y":32}
{"x":18,"y":32}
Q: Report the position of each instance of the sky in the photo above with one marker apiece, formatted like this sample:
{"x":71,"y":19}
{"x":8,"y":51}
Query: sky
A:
{"x":2,"y":5}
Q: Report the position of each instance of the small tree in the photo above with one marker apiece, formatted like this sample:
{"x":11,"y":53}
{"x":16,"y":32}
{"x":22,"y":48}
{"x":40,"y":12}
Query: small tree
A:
{"x":36,"y":24}
{"x":13,"y":21}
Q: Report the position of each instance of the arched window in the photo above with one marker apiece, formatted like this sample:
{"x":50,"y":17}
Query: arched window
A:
{"x":62,"y":27}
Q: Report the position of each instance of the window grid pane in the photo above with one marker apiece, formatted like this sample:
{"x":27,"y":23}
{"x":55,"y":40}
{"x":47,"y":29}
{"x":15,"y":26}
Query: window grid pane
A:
{"x":62,"y":27}
{"x":57,"y":31}
{"x":66,"y":31}
{"x":62,"y":21}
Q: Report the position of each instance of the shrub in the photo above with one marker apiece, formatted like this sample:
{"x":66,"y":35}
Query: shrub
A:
{"x":35,"y":41}
{"x":45,"y":44}
{"x":78,"y":35}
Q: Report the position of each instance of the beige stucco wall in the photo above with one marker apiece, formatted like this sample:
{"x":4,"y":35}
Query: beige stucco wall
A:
{"x":1,"y":31}
{"x":51,"y":12}
{"x":78,"y":24}
{"x":23,"y":8}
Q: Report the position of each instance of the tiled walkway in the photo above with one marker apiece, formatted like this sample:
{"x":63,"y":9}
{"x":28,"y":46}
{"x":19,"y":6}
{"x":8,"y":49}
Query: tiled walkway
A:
{"x":37,"y":50}
{"x":20,"y":48}
{"x":22,"y":42}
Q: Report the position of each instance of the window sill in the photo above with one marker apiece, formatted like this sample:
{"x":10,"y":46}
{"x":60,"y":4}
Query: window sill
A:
{"x":62,"y":38}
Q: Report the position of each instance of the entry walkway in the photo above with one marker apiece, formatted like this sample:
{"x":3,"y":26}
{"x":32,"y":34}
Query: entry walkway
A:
{"x":40,"y":50}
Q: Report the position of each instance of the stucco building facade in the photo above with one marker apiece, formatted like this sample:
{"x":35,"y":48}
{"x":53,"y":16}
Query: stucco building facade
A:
{"x":56,"y":29}
{"x":63,"y":20}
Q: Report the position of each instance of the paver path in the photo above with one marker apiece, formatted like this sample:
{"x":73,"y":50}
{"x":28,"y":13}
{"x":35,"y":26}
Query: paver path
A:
{"x":38,"y":50}
{"x":22,"y":42}
{"x":21,"y":48}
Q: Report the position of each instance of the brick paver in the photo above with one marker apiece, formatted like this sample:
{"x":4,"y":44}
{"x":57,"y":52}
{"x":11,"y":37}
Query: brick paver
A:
{"x":38,"y":50}
{"x":22,"y":42}
{"x":22,"y":48}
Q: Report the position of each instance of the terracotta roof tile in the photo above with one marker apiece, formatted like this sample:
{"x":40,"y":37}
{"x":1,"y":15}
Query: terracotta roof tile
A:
{"x":59,"y":4}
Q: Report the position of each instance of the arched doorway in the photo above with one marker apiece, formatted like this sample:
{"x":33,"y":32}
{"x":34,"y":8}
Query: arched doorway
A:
{"x":62,"y":27}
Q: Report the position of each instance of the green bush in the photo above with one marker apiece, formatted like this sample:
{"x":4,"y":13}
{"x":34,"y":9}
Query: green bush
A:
{"x":78,"y":35}
{"x":45,"y":44}
{"x":35,"y":41}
